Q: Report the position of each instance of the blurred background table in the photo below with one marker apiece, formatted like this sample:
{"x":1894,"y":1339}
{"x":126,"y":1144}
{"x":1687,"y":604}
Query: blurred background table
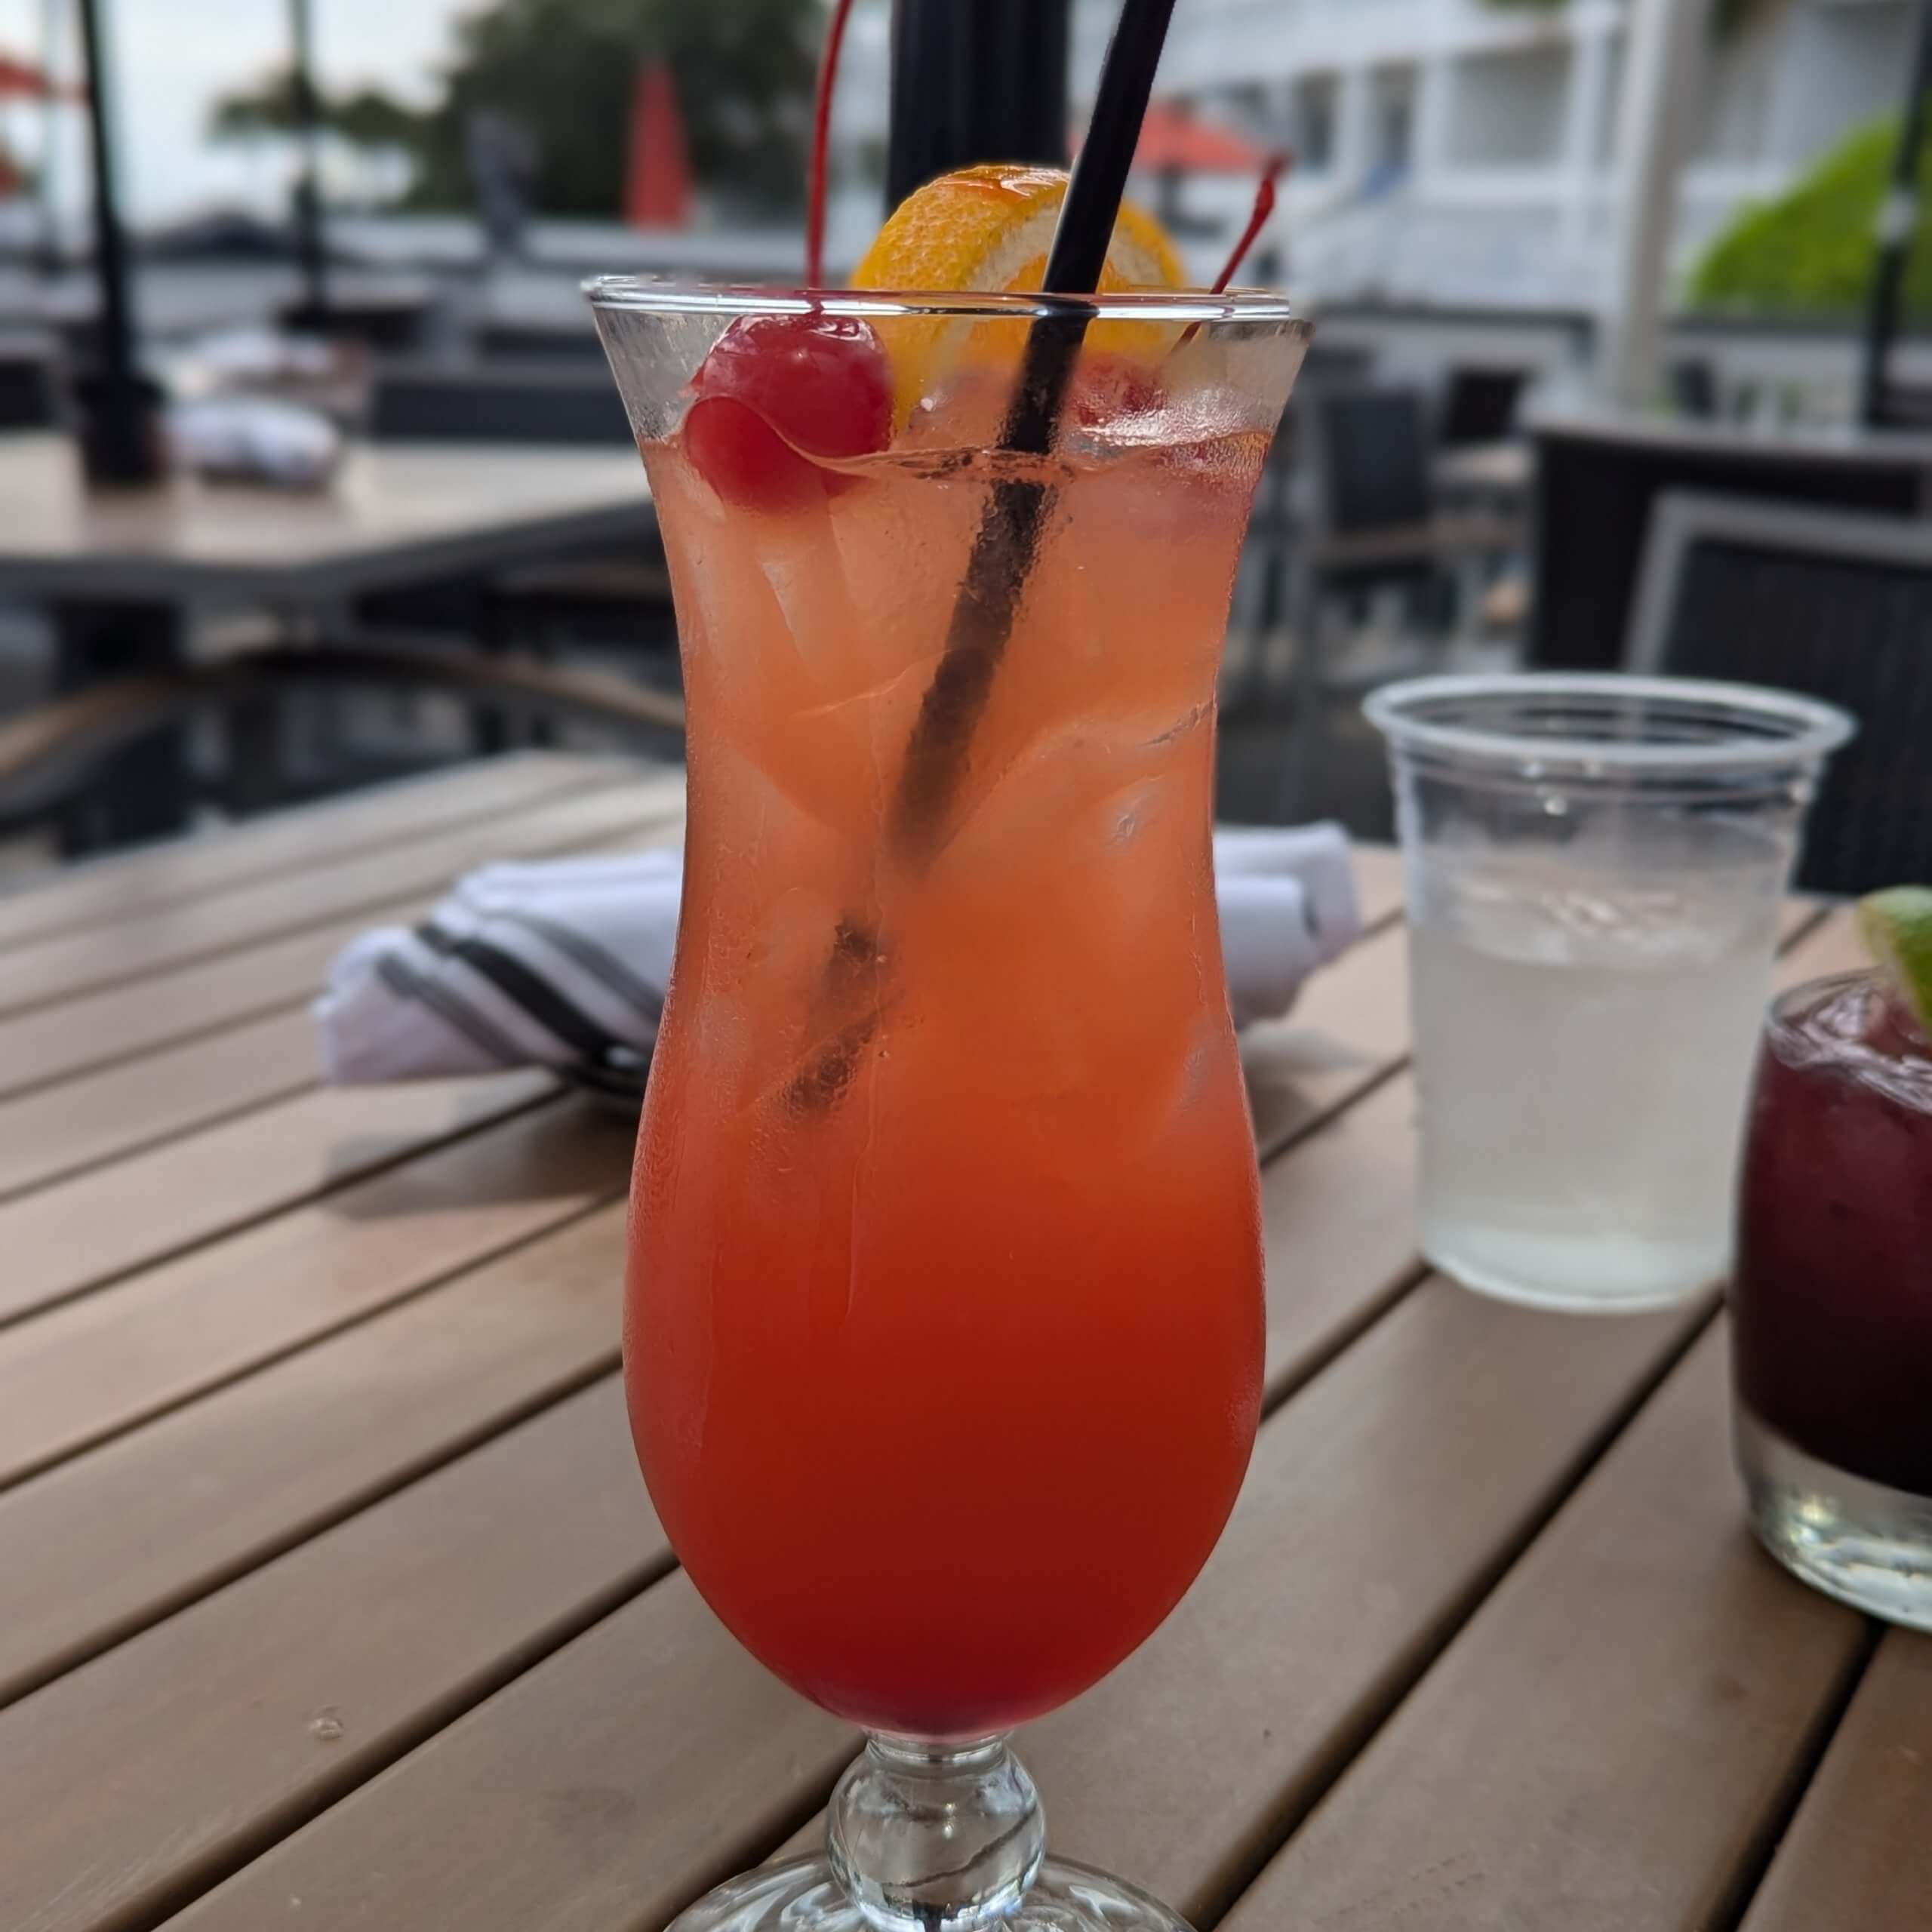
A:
{"x":127,"y":577}
{"x":395,"y":513}
{"x":330,"y":1595}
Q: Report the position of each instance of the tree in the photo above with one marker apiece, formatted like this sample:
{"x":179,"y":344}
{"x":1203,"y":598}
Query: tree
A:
{"x":1812,"y":250}
{"x":367,"y":119}
{"x":564,"y":70}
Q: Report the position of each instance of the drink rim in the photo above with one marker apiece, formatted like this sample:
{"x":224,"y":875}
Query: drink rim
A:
{"x":650,"y":295}
{"x":1768,"y":730}
{"x":1868,"y":1067}
{"x":1787,"y":1005}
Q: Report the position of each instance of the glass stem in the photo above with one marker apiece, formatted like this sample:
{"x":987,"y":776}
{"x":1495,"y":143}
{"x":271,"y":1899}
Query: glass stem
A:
{"x":925,"y":1835}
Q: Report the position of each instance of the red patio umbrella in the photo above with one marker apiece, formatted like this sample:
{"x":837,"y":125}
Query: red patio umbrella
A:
{"x":1171,"y":139}
{"x":657,"y":173}
{"x":20,"y":80}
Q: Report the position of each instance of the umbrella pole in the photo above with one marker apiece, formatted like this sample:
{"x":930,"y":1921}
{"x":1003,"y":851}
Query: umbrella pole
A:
{"x":973,"y":81}
{"x":308,"y":187}
{"x":1898,"y":223}
{"x":50,"y":218}
{"x":1661,"y":74}
{"x":119,"y":438}
{"x":110,"y":240}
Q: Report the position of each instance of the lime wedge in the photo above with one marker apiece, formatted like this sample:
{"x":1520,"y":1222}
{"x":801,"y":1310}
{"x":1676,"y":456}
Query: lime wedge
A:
{"x":1897,"y":928}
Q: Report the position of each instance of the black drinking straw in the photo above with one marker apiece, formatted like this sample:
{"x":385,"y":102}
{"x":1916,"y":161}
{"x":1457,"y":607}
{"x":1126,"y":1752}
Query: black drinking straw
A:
{"x":1009,"y":534}
{"x":1008,"y":537}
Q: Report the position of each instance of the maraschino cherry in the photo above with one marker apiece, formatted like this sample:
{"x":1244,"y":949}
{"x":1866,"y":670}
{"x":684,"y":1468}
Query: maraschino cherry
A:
{"x":775,"y":392}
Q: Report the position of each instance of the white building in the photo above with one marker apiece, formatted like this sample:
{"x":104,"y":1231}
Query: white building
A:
{"x":1463,"y":152}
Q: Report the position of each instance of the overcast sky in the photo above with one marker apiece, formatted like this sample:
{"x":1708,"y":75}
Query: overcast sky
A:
{"x":173,"y":58}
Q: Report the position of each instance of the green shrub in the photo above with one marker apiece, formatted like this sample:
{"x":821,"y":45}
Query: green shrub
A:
{"x":1811,"y":250}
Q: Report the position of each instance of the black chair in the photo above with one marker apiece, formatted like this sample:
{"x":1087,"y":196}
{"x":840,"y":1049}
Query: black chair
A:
{"x":518,"y":342}
{"x":26,"y":391}
{"x":535,"y":403}
{"x":1373,"y":447}
{"x":1694,"y":389}
{"x":1479,"y":406}
{"x":1378,"y":519}
{"x":1377,"y":530}
{"x":1333,"y":365}
{"x":596,"y":598}
{"x":1276,"y":527}
{"x":1597,"y":477}
{"x":55,"y":761}
{"x":1837,"y":607}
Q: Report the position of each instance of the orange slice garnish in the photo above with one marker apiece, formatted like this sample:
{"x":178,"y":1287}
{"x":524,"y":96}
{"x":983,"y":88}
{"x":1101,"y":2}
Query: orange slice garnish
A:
{"x":985,"y":230}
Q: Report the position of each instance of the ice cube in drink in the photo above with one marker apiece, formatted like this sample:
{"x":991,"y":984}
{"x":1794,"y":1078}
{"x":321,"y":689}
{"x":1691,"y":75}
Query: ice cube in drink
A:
{"x":1831,"y":1306}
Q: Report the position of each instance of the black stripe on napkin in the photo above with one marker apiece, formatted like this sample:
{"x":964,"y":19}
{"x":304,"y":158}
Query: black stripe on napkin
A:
{"x":603,"y":967}
{"x":535,"y":995}
{"x":406,"y":982}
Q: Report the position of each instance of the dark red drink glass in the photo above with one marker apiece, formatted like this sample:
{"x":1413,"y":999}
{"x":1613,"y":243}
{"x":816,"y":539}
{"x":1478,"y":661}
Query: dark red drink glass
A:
{"x":1831,"y":1301}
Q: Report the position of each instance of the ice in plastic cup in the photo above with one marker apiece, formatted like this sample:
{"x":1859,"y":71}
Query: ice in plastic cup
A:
{"x":1831,"y":1300}
{"x":1594,"y":868}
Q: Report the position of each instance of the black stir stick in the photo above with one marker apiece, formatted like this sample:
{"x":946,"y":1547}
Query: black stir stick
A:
{"x":1007,"y":540}
{"x":1009,"y":533}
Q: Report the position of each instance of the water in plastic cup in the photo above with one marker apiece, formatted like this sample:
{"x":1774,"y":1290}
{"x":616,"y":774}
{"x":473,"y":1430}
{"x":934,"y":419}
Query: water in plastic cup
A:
{"x":1595,"y":867}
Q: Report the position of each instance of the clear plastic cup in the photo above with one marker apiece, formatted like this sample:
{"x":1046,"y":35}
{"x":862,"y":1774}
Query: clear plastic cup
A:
{"x":1595,"y":869}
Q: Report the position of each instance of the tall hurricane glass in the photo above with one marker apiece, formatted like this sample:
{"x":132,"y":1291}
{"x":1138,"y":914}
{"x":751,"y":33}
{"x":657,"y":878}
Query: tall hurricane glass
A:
{"x":944,"y":1330}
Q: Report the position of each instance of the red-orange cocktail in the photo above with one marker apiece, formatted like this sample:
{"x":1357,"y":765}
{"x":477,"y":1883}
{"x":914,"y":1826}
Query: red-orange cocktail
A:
{"x":943,"y":1331}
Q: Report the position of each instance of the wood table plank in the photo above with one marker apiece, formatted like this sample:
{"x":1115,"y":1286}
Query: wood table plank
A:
{"x":96,"y":1030}
{"x":64,"y":1240}
{"x":647,"y":1761}
{"x":1348,"y":1260}
{"x":112,"y":1541}
{"x":1429,"y":1435}
{"x":129,"y":1784}
{"x":1338,"y":1223}
{"x":119,"y":1110}
{"x":45,"y":971}
{"x":363,"y":1862}
{"x":1858,"y":1856}
{"x":120,"y":886}
{"x":1831,"y":944}
{"x":102,"y":1031}
{"x":80,"y":1374}
{"x":1378,"y":871}
{"x":1610,"y":1743}
{"x":1385,"y":1498}
{"x":1381,"y":1500}
{"x":1348,"y":1029}
{"x":72,"y":1377}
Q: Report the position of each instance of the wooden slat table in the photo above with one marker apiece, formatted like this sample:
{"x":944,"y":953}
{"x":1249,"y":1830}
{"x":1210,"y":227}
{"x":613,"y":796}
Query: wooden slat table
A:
{"x":330,"y":1596}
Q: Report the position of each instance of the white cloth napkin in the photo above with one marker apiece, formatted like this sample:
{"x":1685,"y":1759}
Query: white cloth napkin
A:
{"x":244,"y":438}
{"x":565,"y":963}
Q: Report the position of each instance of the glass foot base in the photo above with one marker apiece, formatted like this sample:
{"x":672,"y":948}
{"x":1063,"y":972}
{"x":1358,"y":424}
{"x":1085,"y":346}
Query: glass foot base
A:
{"x":802,"y":1896}
{"x":1867,"y":1544}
